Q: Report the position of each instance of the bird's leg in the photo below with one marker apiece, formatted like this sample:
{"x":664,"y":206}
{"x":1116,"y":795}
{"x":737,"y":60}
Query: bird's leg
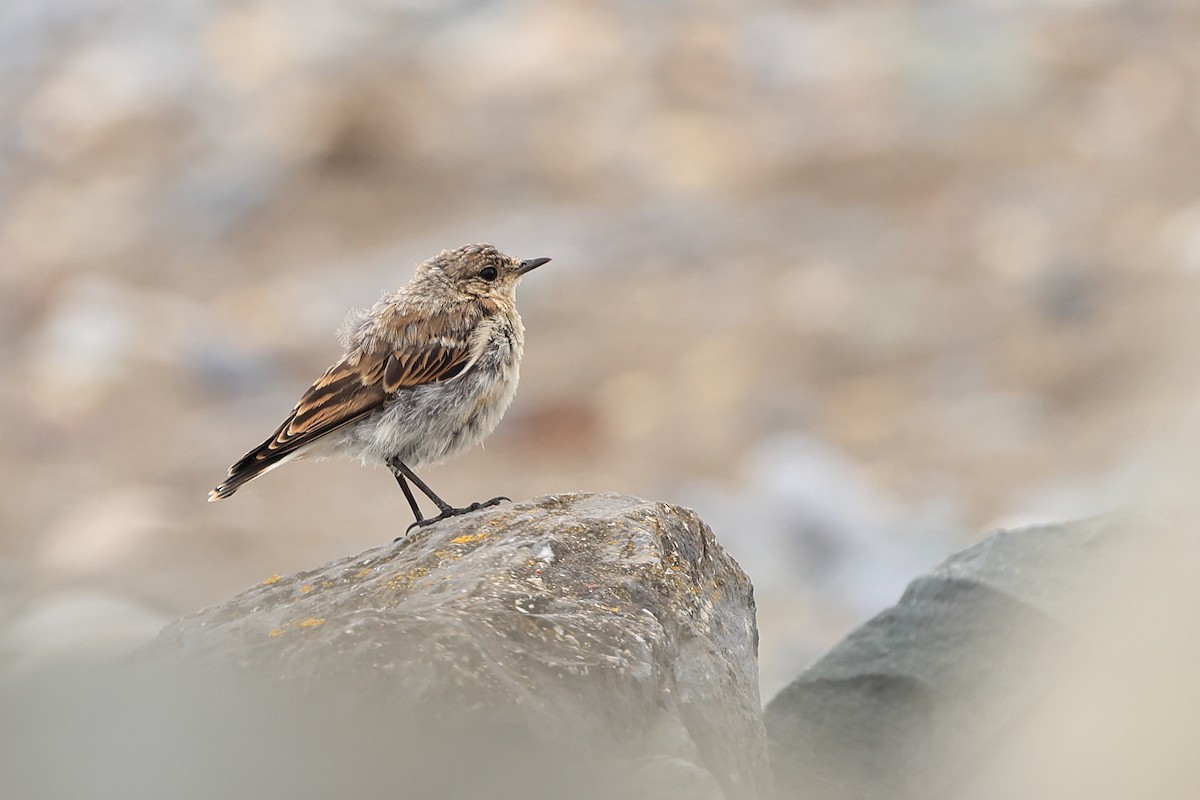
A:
{"x":412,"y":501}
{"x":402,"y":472}
{"x":408,"y":495}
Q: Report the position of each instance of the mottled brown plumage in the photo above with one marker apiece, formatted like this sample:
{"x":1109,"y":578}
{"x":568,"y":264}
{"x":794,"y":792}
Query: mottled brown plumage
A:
{"x":428,"y":372}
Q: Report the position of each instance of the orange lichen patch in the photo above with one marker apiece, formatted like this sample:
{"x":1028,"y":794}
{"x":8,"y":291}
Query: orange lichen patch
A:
{"x":271,"y":581}
{"x":310,"y":622}
{"x":364,"y":572}
{"x":405,"y":579}
{"x":326,"y":584}
{"x":306,"y":588}
{"x":468,"y":538}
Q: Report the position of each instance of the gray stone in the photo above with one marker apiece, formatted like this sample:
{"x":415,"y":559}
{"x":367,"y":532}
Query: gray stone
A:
{"x":911,"y":702}
{"x":571,"y":646}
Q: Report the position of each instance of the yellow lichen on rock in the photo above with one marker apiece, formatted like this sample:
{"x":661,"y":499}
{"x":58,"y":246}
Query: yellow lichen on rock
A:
{"x":310,"y":622}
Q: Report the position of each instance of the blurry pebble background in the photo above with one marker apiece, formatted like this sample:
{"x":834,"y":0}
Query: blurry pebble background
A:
{"x":854,"y":280}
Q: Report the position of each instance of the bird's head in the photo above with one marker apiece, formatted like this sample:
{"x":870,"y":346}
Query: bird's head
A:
{"x":475,"y":272}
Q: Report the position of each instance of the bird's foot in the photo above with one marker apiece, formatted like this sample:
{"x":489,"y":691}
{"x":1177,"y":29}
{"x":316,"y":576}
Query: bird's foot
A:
{"x":450,"y":511}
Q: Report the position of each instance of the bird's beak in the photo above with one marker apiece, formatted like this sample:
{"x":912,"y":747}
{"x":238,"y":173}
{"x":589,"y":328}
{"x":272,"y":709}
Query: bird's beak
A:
{"x":530,"y":265}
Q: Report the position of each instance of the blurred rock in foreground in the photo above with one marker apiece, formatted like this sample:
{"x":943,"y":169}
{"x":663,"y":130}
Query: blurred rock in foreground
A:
{"x":921,"y":698}
{"x":571,"y":646}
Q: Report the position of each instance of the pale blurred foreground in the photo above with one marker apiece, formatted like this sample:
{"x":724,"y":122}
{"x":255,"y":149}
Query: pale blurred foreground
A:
{"x":975,"y":683}
{"x":1123,"y":719}
{"x":1097,"y":699}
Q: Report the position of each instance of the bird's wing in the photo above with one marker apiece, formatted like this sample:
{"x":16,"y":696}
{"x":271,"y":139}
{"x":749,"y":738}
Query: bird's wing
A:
{"x":430,"y":352}
{"x":421,"y":351}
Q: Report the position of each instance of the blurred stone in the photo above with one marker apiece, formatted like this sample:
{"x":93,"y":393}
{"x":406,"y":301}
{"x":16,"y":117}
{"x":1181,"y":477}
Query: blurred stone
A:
{"x":991,"y":422}
{"x":817,"y":298}
{"x":1133,"y":105}
{"x":102,"y":532}
{"x":1068,"y":291}
{"x":1179,"y":239}
{"x":86,"y":343}
{"x":910,"y":703}
{"x":819,"y":535}
{"x":72,"y":627}
{"x":632,"y":404}
{"x":1015,"y":241}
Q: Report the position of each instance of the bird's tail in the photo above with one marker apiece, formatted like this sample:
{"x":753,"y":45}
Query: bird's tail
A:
{"x":259,"y":460}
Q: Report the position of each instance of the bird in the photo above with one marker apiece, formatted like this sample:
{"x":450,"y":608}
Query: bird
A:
{"x":428,"y":372}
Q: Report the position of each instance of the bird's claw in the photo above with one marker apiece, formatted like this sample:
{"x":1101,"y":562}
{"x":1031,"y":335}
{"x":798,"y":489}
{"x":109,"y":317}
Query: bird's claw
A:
{"x":454,"y":512}
{"x":495,"y":501}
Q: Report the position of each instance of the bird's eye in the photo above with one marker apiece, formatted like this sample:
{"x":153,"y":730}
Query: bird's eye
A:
{"x":488,"y":273}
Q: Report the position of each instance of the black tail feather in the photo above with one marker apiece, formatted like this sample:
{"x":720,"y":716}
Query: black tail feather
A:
{"x":249,"y":467}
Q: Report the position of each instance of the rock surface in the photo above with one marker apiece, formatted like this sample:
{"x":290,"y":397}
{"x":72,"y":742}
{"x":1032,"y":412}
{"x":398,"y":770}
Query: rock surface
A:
{"x":594,"y":644}
{"x":913,"y":701}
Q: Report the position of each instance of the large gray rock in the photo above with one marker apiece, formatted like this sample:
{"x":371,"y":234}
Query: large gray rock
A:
{"x":575,"y":645}
{"x":915,"y":700}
